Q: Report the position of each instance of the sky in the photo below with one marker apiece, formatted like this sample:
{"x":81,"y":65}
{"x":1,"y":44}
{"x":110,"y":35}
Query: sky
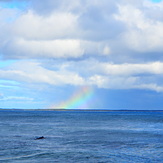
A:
{"x":81,"y":54}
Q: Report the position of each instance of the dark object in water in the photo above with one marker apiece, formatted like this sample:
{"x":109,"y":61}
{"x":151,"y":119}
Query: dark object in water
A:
{"x":42,"y":137}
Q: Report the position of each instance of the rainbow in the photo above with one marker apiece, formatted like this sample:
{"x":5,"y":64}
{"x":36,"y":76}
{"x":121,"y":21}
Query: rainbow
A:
{"x":80,"y":99}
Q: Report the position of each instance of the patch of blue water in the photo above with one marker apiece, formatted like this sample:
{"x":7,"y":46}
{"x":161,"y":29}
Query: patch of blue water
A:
{"x":81,"y":136}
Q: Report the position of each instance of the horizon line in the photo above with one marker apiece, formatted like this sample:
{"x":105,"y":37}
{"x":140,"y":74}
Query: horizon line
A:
{"x":79,"y":109}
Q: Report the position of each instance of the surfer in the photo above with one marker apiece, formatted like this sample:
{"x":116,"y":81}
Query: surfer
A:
{"x":42,"y":137}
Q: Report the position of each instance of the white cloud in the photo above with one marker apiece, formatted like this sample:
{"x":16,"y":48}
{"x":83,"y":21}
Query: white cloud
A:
{"x":39,"y":27}
{"x":106,"y":50}
{"x":107,"y":68}
{"x":102,"y":74}
{"x":112,"y":33}
{"x":151,"y":86}
{"x":1,"y":95}
{"x":57,"y":35}
{"x":32,"y":72}
{"x":73,"y":29}
{"x":130,"y":69}
{"x":45,"y":49}
{"x":17,"y":98}
{"x":144,"y":33}
{"x":99,"y":80}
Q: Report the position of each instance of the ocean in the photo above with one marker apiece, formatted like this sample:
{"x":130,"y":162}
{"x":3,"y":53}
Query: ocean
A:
{"x":81,"y":136}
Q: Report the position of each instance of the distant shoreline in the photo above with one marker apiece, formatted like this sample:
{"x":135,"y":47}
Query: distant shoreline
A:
{"x":86,"y":110}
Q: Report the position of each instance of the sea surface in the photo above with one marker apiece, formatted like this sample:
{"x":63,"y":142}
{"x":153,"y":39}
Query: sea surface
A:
{"x":81,"y":136}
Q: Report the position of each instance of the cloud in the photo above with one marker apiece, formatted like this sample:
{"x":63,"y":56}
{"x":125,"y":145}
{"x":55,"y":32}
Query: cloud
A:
{"x":108,"y":44}
{"x":55,"y":36}
{"x":130,"y":69}
{"x":144,"y":33}
{"x":43,"y":49}
{"x":61,"y":29}
{"x":11,"y":98}
{"x":39,"y":36}
{"x":1,"y":95}
{"x":32,"y":72}
{"x":57,"y":25}
{"x":93,"y":66}
{"x":100,"y":74}
{"x":16,"y":98}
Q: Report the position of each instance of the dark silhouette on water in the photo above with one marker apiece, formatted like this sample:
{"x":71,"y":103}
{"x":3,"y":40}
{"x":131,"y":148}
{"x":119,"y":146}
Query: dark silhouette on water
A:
{"x":42,"y":137}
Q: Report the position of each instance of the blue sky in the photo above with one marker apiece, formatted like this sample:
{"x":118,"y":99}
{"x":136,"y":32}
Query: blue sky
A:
{"x":13,"y":4}
{"x":156,"y":1}
{"x":51,"y":50}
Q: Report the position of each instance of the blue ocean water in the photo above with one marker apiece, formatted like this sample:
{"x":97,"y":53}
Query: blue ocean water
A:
{"x":81,"y":136}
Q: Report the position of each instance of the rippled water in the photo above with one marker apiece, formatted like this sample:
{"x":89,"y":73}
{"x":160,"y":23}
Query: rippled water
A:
{"x":80,"y":137}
